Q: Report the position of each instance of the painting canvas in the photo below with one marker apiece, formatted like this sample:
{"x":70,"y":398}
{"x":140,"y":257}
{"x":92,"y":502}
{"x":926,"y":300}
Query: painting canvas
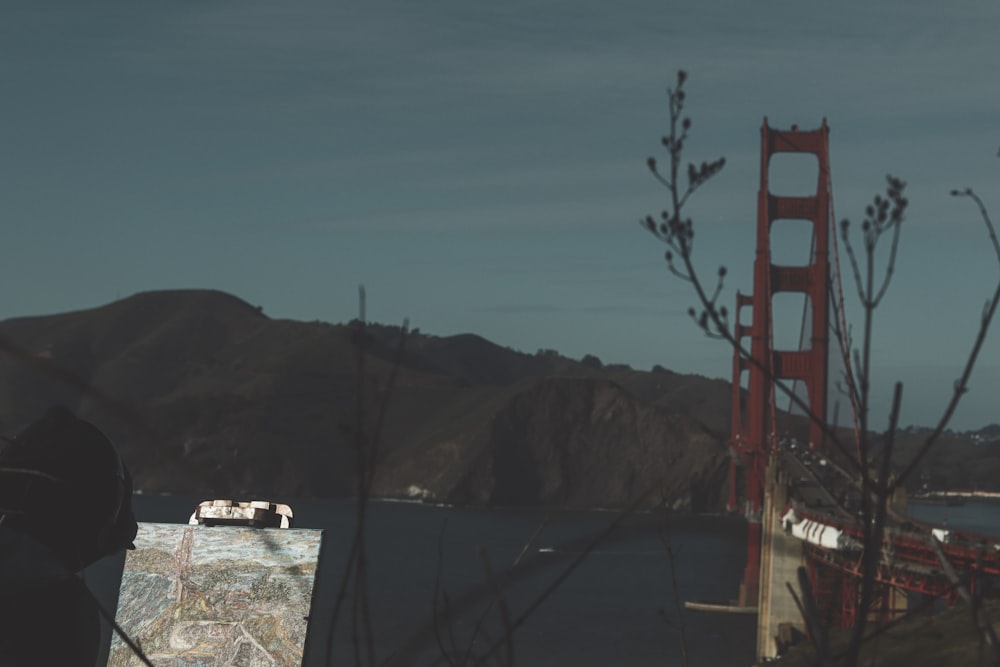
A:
{"x":198,"y":596}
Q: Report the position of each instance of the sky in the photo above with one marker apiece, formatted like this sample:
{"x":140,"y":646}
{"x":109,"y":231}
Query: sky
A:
{"x":480,"y":167}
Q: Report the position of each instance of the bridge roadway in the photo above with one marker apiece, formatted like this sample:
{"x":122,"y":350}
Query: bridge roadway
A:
{"x":812,"y":518}
{"x":824,"y":492}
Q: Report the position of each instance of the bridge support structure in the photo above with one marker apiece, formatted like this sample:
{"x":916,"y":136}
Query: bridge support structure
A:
{"x":781,"y":556}
{"x":816,"y":531}
{"x":752,"y":439}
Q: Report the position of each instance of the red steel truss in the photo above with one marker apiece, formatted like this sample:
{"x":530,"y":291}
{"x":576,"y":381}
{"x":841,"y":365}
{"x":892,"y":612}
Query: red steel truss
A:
{"x":752,"y":431}
{"x":908,"y":564}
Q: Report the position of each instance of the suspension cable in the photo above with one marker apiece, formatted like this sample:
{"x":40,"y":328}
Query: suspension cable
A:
{"x":842,"y":340}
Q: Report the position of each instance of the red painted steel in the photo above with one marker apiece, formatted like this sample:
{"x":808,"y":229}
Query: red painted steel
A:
{"x":909,"y":564}
{"x":752,"y":431}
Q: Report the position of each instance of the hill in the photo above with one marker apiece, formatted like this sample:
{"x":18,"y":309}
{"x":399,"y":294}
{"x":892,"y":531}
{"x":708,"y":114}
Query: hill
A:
{"x":206,"y":395}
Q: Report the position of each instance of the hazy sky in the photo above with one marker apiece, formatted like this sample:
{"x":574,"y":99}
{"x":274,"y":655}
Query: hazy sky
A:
{"x":480,"y":167}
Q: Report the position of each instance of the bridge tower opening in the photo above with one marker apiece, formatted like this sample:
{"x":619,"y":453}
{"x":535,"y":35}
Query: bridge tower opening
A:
{"x":759,"y":377}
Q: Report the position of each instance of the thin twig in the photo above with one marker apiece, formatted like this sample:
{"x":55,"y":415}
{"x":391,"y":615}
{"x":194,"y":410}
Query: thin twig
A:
{"x":355,"y":576}
{"x":962,"y":384}
{"x":810,"y":614}
{"x":500,"y":601}
{"x":678,"y":607}
{"x":479,"y":627}
{"x":874,"y":533}
{"x":883,"y":217}
{"x":979,"y":615}
{"x":435,"y":614}
{"x":569,"y":570}
{"x":107,"y":616}
{"x":531,"y":540}
{"x":345,"y":582}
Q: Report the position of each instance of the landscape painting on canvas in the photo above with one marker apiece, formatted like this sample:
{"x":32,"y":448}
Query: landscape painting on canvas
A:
{"x":211,"y":596}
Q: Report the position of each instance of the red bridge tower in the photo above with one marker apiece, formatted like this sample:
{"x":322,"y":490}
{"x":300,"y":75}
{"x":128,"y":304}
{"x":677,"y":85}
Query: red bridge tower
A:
{"x":752,"y":439}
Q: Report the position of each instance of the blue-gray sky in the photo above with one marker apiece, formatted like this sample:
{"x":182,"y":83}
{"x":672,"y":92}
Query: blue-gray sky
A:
{"x":480,"y":167}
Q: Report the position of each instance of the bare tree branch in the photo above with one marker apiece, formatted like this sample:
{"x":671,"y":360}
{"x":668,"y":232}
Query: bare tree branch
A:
{"x":962,"y":384}
{"x":883,"y":220}
{"x":979,"y":615}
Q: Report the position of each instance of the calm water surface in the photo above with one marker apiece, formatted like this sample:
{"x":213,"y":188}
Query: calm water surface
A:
{"x":976,"y":516}
{"x":617,"y":608}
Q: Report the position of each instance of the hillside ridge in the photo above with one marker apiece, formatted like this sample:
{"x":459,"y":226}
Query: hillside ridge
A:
{"x":220,"y":400}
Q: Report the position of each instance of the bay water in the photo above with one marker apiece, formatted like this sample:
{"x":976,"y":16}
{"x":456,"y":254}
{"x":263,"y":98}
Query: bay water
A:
{"x":616,"y":608}
{"x":976,"y":516}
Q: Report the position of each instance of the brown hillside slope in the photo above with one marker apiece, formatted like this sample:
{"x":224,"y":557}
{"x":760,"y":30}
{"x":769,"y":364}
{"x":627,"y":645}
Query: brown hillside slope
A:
{"x":232,"y":403}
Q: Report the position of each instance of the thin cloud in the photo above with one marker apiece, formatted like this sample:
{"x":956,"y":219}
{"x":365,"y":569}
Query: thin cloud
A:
{"x":603,"y":310}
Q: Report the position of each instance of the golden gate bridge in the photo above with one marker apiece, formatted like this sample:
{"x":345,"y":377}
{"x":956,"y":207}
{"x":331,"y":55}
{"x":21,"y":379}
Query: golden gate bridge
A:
{"x":801,"y":504}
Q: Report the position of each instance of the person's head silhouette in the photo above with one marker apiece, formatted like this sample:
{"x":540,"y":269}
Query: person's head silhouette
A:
{"x":63,"y":484}
{"x":65,"y":502}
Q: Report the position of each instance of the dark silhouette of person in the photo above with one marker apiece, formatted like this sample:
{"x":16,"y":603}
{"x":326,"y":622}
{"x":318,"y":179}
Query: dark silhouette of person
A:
{"x":65,"y":503}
